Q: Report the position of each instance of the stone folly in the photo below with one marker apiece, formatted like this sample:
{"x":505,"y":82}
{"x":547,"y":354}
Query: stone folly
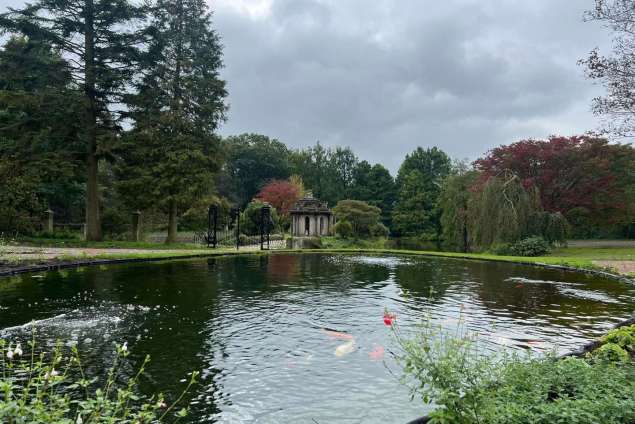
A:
{"x":311,"y":217}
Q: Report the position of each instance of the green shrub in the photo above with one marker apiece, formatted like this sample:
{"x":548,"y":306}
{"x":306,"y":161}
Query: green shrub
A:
{"x":53,"y":388}
{"x":360,"y":215}
{"x":501,"y":249}
{"x":611,"y":352}
{"x":532,"y":246}
{"x":470,"y":385}
{"x":59,"y":233}
{"x":379,"y":230}
{"x":344,"y":229}
{"x":624,"y":337}
{"x":116,"y":221}
{"x":250,"y":218}
{"x":244,"y":239}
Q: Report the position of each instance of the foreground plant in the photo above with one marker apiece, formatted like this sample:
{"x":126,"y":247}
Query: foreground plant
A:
{"x":53,"y":388}
{"x":470,"y":385}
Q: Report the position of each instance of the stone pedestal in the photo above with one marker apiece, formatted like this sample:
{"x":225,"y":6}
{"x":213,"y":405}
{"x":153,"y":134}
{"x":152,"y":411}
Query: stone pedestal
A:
{"x":48,"y":221}
{"x":136,"y":226}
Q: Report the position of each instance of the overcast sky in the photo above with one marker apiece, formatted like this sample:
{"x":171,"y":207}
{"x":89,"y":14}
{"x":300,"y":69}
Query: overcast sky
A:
{"x":386,"y":76}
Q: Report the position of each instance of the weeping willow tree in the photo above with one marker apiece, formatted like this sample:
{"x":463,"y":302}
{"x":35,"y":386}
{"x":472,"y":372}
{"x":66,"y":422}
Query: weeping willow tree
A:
{"x":504,"y":212}
{"x":455,"y":216}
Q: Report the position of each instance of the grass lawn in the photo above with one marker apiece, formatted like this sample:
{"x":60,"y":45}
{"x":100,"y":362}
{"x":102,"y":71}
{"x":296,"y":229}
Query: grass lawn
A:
{"x":50,"y":242}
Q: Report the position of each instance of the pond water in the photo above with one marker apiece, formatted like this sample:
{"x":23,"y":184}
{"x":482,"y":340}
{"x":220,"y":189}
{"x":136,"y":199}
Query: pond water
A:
{"x":256,"y":326}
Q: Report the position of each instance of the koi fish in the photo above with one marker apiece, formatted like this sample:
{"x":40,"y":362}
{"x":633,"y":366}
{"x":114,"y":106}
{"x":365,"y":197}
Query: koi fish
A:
{"x":338,"y":335}
{"x":377,"y":353}
{"x":345,"y":349}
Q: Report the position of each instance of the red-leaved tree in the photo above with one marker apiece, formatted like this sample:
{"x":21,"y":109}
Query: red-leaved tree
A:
{"x":281,"y":194}
{"x":579,"y":173}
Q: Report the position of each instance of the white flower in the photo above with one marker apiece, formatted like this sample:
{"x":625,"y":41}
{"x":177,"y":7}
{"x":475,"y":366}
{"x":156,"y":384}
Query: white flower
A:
{"x":79,"y":420}
{"x":18,"y":350}
{"x":50,"y":374}
{"x":9,"y":353}
{"x":124,"y":348}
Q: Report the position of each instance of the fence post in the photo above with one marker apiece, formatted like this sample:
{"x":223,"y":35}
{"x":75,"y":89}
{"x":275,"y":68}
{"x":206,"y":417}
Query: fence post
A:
{"x":234,"y":213}
{"x":265,"y":216}
{"x":49,"y":220}
{"x":237,"y":228}
{"x":212,"y":226}
{"x":136,"y":225}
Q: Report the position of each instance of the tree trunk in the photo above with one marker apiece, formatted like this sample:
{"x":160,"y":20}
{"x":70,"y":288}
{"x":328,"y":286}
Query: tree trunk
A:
{"x":93,"y":225}
{"x":466,"y":248}
{"x":171,"y":223}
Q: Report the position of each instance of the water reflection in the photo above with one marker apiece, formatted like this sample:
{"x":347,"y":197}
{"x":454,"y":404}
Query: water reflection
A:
{"x":255,"y":326}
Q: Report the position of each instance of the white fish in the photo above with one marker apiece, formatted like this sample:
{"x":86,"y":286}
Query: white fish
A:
{"x":345,"y":349}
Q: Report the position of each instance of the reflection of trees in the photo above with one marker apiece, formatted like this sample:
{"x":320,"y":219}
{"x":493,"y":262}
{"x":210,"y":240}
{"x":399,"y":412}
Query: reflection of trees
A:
{"x":283,"y":268}
{"x":426,"y":279}
{"x":369,"y":273}
{"x":525,"y":300}
{"x":182,"y":297}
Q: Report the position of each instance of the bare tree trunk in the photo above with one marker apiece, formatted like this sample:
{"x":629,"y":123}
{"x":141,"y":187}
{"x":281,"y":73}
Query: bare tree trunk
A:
{"x":171,"y":223}
{"x":93,"y":224}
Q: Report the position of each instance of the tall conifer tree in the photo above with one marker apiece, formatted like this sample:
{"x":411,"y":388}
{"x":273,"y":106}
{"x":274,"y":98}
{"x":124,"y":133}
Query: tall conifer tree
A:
{"x":172,"y":152}
{"x":95,"y":38}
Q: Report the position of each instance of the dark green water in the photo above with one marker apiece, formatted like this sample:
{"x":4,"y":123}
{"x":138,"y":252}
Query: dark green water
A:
{"x":253,"y":325}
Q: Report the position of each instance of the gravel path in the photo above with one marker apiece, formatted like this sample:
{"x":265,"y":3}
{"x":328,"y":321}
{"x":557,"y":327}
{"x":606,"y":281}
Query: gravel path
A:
{"x":601,"y":243}
{"x":621,"y":267}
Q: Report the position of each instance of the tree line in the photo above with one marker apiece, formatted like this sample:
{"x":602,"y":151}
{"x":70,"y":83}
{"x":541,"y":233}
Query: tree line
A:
{"x":112,"y":107}
{"x":108,"y":95}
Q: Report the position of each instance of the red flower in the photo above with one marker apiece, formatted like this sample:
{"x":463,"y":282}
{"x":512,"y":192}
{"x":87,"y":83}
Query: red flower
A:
{"x":389,"y":318}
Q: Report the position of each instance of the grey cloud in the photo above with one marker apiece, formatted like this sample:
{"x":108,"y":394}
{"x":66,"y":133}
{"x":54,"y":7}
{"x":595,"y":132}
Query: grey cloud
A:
{"x":386,"y":76}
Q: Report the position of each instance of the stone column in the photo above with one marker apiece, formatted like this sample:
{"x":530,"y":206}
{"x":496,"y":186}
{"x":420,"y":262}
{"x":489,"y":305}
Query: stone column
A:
{"x":136,"y":226}
{"x":48,"y":224}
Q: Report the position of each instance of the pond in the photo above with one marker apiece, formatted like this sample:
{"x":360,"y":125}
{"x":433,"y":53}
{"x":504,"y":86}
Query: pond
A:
{"x":267,"y":332}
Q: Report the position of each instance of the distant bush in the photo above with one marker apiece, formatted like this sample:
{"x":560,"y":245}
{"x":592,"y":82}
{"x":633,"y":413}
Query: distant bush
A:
{"x":59,"y":233}
{"x":379,"y":230}
{"x":361,"y":216}
{"x":250,"y":218}
{"x":501,"y":249}
{"x":532,"y":246}
{"x":116,"y":221}
{"x":344,"y":229}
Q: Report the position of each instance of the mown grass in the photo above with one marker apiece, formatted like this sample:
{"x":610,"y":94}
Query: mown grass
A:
{"x":113,"y":244}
